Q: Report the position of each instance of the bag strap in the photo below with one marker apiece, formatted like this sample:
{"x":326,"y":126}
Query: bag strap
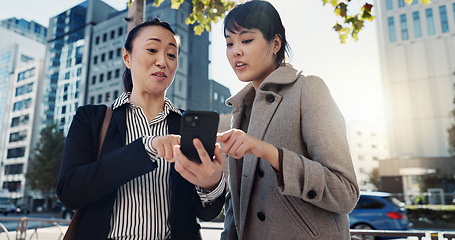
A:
{"x":75,"y":220}
{"x":103,"y":131}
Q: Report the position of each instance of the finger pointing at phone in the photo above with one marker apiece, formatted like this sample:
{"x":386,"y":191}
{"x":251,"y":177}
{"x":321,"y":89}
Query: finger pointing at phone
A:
{"x":164,"y":146}
{"x":236,"y":143}
{"x":207,"y":174}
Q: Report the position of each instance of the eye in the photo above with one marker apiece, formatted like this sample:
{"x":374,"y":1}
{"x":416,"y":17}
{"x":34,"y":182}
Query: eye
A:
{"x":229,"y":45}
{"x":172,"y":56}
{"x":152,"y":50}
{"x":247,"y":41}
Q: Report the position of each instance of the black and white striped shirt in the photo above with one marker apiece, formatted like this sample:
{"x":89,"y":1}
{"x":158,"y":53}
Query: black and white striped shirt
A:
{"x":141,"y":208}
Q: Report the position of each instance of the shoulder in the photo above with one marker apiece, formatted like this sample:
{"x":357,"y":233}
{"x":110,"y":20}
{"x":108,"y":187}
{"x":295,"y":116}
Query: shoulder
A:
{"x":90,"y":112}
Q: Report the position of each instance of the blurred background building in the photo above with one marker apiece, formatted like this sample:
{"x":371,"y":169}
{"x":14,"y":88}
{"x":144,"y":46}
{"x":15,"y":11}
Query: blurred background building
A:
{"x":417,"y":56}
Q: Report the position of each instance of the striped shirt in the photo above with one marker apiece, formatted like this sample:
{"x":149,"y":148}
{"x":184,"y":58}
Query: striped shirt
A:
{"x":141,"y":208}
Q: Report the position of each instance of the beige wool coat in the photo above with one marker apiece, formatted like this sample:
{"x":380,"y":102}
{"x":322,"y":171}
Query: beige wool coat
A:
{"x":297,"y":114}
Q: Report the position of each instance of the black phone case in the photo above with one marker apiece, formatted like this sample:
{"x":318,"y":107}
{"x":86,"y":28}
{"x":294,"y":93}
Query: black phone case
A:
{"x":202,"y":125}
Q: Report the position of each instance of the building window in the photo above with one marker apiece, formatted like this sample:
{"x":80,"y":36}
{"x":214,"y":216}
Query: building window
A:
{"x":63,"y":109}
{"x":100,"y":98}
{"x":112,"y":34}
{"x":109,"y":75}
{"x":15,"y":152}
{"x":444,"y":22}
{"x":119,"y":52}
{"x":97,"y":40}
{"x":389,"y":4}
{"x":115,"y":94}
{"x":26,"y":74}
{"x":17,"y":136}
{"x":417,"y":27}
{"x":67,"y":75}
{"x":22,"y":104}
{"x":92,"y":100}
{"x":400,"y":3}
{"x":14,"y":169}
{"x":361,"y":157}
{"x":103,"y":57}
{"x":108,"y":97}
{"x":391,"y":24}
{"x":430,"y":22}
{"x":404,"y":27}
{"x":24,"y":89}
{"x":104,"y":37}
{"x":95,"y":60}
{"x":415,"y":2}
{"x":21,"y":120}
{"x":111,"y":54}
{"x":101,"y":77}
{"x":117,"y":73}
{"x":120,"y":31}
{"x":93,"y":79}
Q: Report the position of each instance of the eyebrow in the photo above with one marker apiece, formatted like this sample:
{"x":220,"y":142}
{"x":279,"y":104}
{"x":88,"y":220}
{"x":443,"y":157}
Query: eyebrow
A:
{"x":242,"y":32}
{"x":159,"y":40}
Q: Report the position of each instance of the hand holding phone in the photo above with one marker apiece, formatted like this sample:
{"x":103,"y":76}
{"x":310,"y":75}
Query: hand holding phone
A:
{"x":202,"y":125}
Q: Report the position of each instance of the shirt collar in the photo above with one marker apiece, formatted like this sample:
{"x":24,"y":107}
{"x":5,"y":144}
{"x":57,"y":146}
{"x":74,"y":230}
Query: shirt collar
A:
{"x":124,"y":98}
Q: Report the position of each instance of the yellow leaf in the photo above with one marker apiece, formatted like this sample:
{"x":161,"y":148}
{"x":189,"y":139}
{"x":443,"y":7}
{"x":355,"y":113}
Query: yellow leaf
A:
{"x":409,"y":1}
{"x":334,"y":2}
{"x":176,"y":4}
{"x":425,"y":1}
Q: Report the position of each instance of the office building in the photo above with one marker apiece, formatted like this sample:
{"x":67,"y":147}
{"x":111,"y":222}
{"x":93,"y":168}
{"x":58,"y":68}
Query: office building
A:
{"x":64,"y":31}
{"x":29,"y":29}
{"x":17,"y":50}
{"x":417,"y":56}
{"x":23,"y":131}
{"x":368,"y":145}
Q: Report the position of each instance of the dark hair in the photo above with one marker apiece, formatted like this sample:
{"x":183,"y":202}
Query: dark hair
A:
{"x":260,"y":15}
{"x":127,"y":80}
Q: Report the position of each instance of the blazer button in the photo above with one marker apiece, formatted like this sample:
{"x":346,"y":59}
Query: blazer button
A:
{"x":270,"y":98}
{"x":259,"y":172}
{"x":261,"y":216}
{"x":311,"y":194}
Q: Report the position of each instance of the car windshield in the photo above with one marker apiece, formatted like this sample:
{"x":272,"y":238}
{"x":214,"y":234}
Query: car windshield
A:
{"x":4,"y":201}
{"x":395,"y":201}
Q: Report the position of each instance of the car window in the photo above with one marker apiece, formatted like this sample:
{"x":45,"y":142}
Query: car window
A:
{"x":366,"y":202}
{"x":395,"y":201}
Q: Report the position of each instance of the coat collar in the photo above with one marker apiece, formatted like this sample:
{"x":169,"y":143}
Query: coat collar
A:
{"x":283,"y":75}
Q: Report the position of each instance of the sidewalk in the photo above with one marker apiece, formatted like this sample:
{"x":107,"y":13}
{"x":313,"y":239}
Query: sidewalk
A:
{"x":210,"y":231}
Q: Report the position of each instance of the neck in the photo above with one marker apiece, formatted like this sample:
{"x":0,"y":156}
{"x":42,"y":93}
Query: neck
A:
{"x":150,"y":104}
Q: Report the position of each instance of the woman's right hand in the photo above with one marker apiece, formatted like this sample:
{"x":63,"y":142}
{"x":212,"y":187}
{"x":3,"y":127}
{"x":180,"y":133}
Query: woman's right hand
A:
{"x":164,"y":146}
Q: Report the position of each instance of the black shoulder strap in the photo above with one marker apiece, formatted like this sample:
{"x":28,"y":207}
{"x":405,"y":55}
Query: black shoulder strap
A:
{"x":173,"y":122}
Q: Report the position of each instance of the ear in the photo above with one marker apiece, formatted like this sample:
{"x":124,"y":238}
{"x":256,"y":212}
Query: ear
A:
{"x":276,"y":43}
{"x":126,"y":57}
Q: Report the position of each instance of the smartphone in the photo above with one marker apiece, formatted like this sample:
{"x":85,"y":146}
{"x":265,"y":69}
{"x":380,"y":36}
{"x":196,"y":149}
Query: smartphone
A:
{"x":202,"y":125}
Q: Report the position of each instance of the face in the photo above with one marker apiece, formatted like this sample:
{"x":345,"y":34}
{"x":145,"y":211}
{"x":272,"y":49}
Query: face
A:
{"x":251,"y":55}
{"x":152,"y":60}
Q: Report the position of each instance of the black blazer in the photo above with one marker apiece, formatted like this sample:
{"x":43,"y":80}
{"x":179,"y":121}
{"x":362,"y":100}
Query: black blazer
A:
{"x":91,"y":185}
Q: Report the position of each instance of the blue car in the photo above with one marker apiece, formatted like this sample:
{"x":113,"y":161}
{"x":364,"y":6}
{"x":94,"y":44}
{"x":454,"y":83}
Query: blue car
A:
{"x":379,"y":211}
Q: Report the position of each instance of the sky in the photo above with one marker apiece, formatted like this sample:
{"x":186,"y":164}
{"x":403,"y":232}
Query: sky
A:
{"x":351,"y":71}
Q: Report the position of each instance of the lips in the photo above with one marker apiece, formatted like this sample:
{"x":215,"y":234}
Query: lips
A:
{"x":240,"y":65}
{"x":159,"y":75}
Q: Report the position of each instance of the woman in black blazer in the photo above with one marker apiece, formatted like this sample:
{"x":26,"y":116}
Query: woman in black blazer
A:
{"x":142,"y":186}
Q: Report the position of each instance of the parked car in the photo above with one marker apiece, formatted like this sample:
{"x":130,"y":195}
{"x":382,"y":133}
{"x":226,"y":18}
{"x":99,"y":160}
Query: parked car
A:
{"x":379,"y":211}
{"x":6,"y":206}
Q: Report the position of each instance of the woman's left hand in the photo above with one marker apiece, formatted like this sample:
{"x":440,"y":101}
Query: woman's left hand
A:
{"x":207,"y":174}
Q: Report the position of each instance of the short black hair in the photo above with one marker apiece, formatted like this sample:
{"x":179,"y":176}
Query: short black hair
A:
{"x":259,"y":15}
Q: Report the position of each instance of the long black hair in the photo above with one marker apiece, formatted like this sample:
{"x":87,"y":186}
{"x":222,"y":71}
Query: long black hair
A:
{"x":259,"y":15}
{"x":127,"y":80}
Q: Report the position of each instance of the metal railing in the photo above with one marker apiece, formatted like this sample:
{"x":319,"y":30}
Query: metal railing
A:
{"x":356,"y":234}
{"x":23,"y":224}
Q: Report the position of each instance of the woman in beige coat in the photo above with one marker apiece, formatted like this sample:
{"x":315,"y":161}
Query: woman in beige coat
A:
{"x":291,"y":173}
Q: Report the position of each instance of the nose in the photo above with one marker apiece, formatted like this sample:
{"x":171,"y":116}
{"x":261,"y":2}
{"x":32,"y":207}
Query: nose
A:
{"x":237,"y":52}
{"x":161,"y":61}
